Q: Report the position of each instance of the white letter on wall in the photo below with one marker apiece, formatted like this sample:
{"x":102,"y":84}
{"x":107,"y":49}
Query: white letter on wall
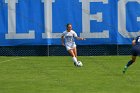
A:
{"x":48,"y":20}
{"x":86,"y":17}
{"x":122,"y":19}
{"x":12,"y":23}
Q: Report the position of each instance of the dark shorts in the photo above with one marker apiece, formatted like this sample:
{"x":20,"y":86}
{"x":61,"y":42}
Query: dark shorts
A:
{"x":136,"y":50}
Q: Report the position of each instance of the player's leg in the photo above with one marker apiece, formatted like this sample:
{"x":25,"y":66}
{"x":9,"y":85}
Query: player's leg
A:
{"x":135,"y":51}
{"x":75,"y":51}
{"x":129,"y":63}
{"x":71,"y":52}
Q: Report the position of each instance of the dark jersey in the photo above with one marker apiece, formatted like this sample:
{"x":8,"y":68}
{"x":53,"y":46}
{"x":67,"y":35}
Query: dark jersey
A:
{"x":138,"y":40}
{"x":136,"y":48}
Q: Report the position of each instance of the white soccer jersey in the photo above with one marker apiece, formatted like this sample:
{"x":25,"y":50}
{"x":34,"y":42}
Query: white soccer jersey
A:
{"x":69,"y":39}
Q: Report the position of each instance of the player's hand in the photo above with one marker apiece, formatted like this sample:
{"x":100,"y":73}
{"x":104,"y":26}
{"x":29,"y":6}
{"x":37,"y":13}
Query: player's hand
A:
{"x":83,"y":39}
{"x":63,"y":44}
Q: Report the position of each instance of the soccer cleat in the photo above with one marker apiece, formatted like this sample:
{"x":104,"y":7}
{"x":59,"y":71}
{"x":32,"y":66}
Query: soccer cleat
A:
{"x":75,"y":64}
{"x":124,"y":70}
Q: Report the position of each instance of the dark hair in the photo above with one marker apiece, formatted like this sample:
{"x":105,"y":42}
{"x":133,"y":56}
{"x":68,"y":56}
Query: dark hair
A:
{"x":68,"y":24}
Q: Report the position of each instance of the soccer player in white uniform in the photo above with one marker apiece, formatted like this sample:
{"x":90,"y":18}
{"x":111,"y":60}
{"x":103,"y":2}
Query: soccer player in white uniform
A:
{"x":67,"y":40}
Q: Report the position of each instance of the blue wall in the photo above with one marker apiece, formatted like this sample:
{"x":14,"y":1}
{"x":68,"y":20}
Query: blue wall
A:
{"x":102,"y":22}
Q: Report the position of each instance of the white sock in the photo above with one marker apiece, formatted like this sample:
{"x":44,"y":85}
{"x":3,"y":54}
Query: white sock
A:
{"x":74,"y":59}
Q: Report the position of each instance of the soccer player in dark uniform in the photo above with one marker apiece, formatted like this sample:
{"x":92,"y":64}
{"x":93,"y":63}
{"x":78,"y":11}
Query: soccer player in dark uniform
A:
{"x":135,"y":52}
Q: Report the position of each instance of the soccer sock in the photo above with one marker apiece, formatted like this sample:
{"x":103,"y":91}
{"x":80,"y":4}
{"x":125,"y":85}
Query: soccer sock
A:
{"x":74,"y":59}
{"x":129,"y":63}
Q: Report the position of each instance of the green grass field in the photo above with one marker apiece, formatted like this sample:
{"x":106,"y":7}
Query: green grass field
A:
{"x":57,"y":74}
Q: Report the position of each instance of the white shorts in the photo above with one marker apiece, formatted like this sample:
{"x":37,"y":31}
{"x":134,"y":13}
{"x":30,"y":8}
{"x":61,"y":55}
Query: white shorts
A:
{"x":69,"y":47}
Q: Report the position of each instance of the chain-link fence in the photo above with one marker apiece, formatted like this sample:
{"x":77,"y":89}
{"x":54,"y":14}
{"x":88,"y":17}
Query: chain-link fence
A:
{"x":55,"y":50}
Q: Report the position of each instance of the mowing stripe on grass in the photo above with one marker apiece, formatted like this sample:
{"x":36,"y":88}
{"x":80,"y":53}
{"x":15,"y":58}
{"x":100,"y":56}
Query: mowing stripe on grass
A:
{"x":11,"y":59}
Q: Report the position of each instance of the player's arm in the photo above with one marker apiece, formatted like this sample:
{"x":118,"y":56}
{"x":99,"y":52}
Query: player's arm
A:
{"x":133,"y":42}
{"x":62,"y":40}
{"x":79,"y":38}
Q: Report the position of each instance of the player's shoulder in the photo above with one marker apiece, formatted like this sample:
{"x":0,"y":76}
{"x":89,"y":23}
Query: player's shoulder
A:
{"x":64,"y":31}
{"x":72,"y":31}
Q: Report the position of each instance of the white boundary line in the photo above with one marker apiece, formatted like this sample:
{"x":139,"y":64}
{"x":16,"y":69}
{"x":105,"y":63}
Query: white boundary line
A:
{"x":11,"y":59}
